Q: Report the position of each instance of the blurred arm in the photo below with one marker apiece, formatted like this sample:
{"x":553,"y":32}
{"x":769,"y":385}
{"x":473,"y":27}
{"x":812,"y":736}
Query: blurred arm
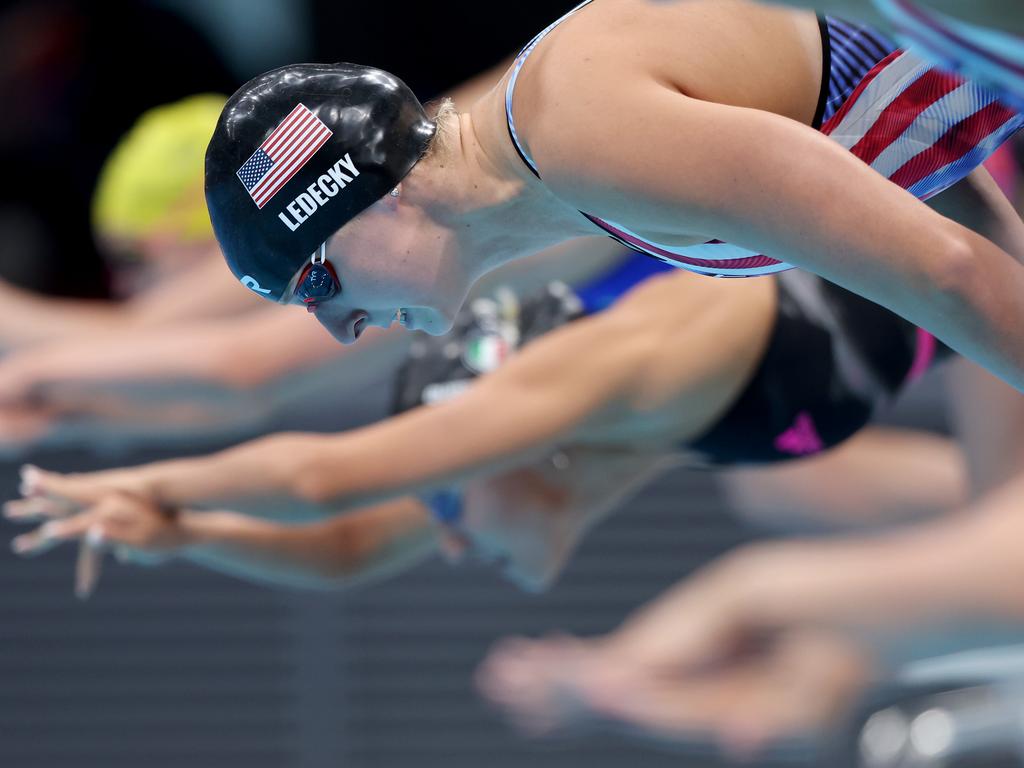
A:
{"x":204,"y":290}
{"x":350,"y":550}
{"x":880,"y":475}
{"x":988,"y":421}
{"x":614,"y":379}
{"x":555,"y":384}
{"x":966,"y":566}
{"x":340,"y":552}
{"x":237,"y":352}
{"x":963,"y":565}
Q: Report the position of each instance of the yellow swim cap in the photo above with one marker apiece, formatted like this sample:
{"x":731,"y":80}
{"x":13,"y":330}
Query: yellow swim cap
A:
{"x":153,"y":180}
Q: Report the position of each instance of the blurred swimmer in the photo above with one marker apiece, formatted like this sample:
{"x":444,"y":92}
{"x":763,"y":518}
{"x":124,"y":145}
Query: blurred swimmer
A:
{"x":64,"y":378}
{"x":324,"y":201}
{"x":149,"y":217}
{"x":775,"y":640}
{"x":775,"y":370}
{"x":194,"y":377}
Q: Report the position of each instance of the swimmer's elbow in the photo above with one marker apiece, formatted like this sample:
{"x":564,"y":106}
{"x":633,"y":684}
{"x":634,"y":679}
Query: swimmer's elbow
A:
{"x":311,"y":485}
{"x":301,"y":467}
{"x":347,"y":558}
{"x":955,"y":273}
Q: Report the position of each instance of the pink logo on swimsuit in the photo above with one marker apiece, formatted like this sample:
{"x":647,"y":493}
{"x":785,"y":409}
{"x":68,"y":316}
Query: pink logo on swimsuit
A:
{"x":800,"y":439}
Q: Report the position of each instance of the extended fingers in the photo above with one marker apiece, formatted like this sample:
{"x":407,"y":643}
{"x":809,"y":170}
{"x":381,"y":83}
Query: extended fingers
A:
{"x":538,"y":684}
{"x":49,"y":535}
{"x":36,"y":508}
{"x":76,"y":490}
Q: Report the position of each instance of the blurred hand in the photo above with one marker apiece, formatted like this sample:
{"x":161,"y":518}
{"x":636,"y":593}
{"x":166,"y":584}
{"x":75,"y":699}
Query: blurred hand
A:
{"x":736,"y":653}
{"x":134,"y":527}
{"x":795,"y":684}
{"x":73,"y":491}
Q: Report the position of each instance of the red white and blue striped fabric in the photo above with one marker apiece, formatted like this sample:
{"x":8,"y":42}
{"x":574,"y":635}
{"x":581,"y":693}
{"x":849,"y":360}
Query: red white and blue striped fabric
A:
{"x":282,"y":155}
{"x":921,"y":128}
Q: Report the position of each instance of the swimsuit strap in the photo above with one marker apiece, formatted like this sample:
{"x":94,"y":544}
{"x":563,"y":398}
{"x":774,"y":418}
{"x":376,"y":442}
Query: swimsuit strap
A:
{"x":516,"y":67}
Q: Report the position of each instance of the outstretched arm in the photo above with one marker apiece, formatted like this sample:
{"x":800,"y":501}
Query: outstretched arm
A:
{"x":221,"y":356}
{"x":338,"y":553}
{"x":767,"y":643}
{"x":235,"y":352}
{"x":806,"y":201}
{"x":547,"y":390}
{"x":880,"y":475}
{"x":342,"y":552}
{"x":965,"y":564}
{"x":613,"y":379}
{"x":204,"y":290}
{"x":428,"y":446}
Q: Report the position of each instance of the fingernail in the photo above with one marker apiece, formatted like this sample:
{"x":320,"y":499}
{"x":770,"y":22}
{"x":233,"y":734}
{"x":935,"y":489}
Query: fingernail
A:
{"x":20,"y":545}
{"x":94,"y":537}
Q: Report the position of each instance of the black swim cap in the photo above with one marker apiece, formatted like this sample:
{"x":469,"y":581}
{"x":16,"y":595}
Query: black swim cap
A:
{"x":299,"y":152}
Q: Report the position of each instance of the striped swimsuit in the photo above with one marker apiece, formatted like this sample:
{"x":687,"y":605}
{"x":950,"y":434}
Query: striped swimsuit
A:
{"x":923,"y":129}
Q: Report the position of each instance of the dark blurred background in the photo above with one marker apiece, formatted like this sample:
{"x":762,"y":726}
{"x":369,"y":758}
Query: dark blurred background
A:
{"x":179,"y":667}
{"x":75,"y":75}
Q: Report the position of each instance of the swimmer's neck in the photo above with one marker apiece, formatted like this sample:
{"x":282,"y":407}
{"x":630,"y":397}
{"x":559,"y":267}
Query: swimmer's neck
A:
{"x":481,"y":192}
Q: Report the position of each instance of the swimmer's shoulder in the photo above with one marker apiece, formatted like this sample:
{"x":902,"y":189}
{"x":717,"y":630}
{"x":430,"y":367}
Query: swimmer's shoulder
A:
{"x":569,"y":95}
{"x":584,"y":90}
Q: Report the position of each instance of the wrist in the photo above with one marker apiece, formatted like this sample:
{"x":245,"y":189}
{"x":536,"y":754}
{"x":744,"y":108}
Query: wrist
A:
{"x":809,"y":583}
{"x":196,"y":529}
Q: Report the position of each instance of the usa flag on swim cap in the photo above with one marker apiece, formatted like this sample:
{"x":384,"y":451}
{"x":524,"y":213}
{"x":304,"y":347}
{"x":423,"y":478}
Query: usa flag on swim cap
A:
{"x":283,"y":154}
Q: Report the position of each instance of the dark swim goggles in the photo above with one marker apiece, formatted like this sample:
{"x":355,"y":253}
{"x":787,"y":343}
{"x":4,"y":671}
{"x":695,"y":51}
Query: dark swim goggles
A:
{"x":318,"y":281}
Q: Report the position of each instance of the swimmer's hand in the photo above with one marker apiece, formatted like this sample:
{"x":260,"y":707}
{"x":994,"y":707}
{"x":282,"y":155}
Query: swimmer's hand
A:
{"x":75,"y":491}
{"x":740,"y":653}
{"x":794,"y":686}
{"x":135,"y":528}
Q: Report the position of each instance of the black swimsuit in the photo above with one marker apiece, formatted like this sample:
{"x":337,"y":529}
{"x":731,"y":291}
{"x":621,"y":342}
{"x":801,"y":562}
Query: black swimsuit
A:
{"x":832,"y":359}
